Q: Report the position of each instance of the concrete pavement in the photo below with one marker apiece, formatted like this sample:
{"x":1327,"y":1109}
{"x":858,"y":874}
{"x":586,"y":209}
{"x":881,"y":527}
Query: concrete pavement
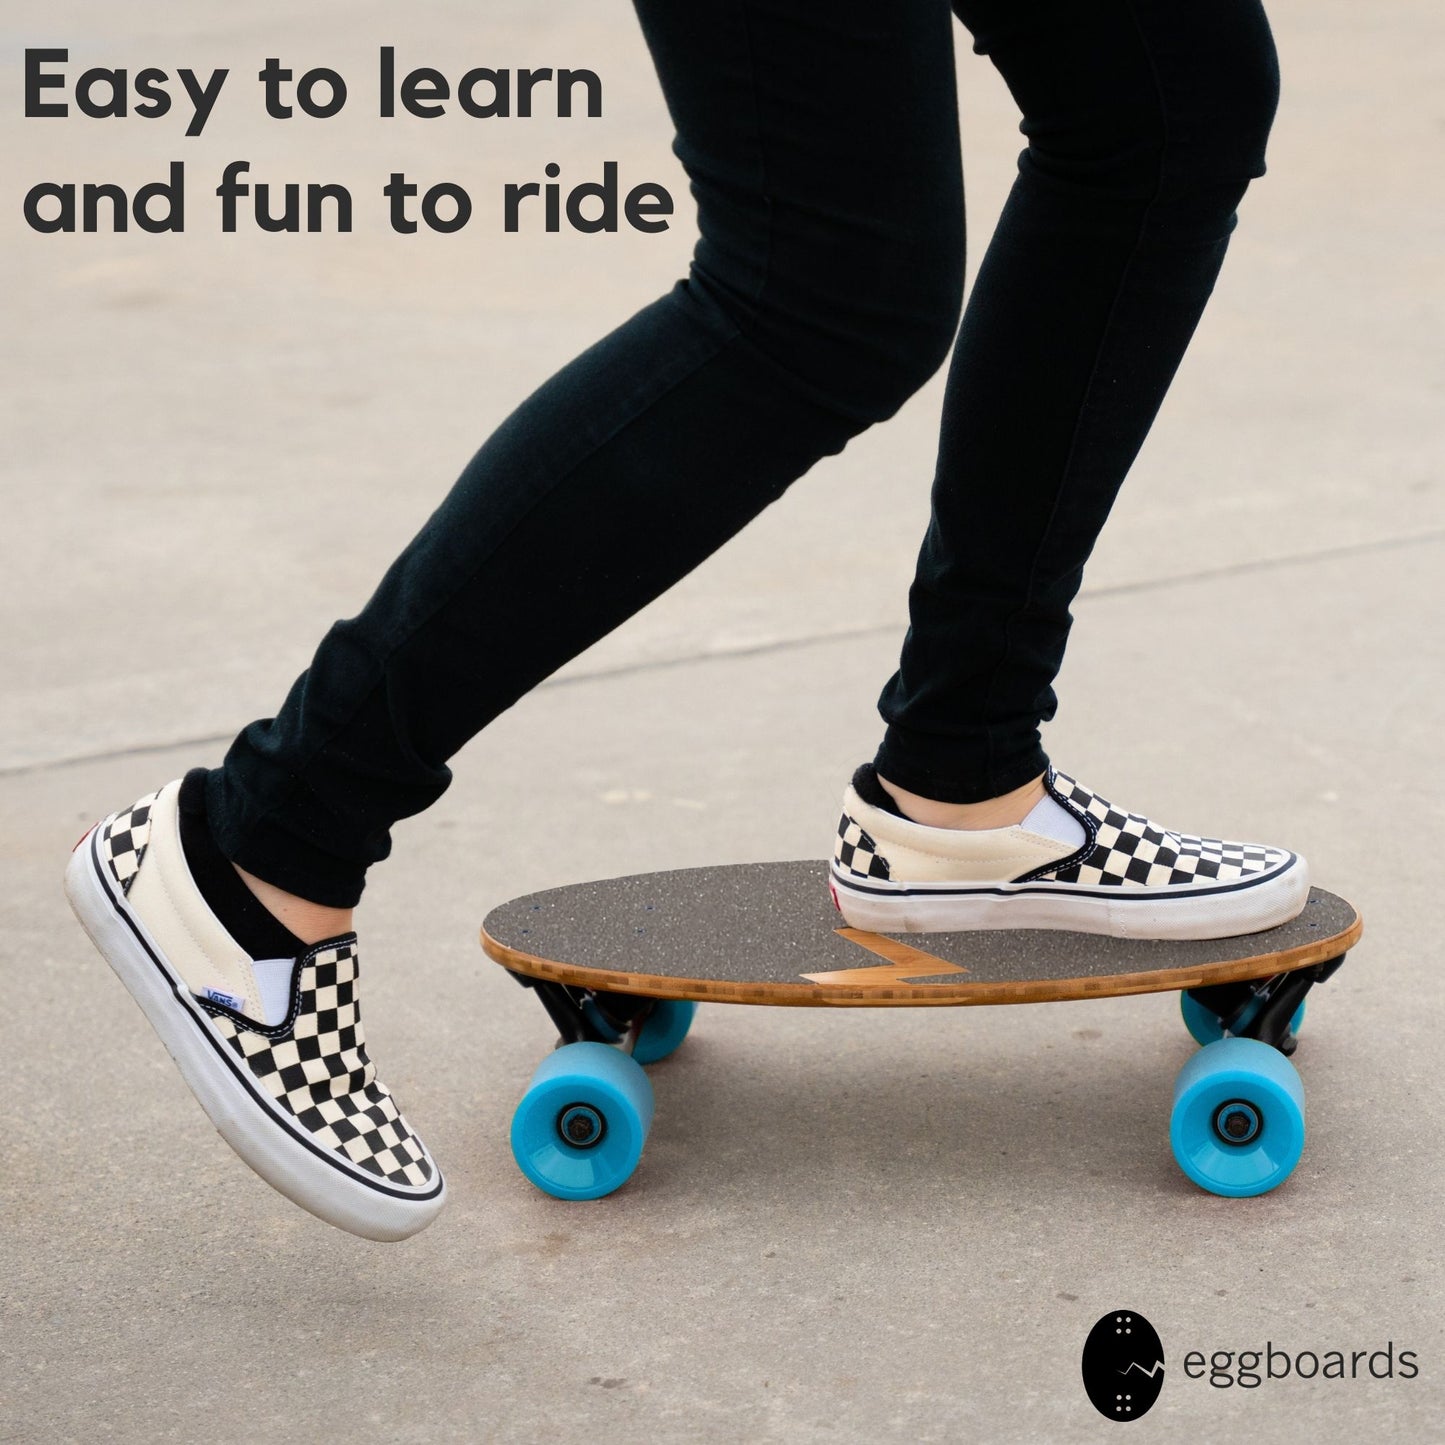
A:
{"x":852,"y":1226}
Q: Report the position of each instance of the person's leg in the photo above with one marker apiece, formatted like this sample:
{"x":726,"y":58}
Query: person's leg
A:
{"x":821,"y":145}
{"x":1145,"y":119}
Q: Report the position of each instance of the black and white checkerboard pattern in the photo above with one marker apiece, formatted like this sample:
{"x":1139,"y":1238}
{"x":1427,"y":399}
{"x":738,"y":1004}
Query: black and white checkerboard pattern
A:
{"x":123,"y":840}
{"x":1130,"y":851}
{"x":856,"y":852}
{"x":316,"y":1067}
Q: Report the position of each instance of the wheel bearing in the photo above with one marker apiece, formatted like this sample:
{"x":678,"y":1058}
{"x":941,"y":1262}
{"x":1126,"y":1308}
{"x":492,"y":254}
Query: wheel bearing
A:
{"x":1238,"y":1122}
{"x":580,"y":1126}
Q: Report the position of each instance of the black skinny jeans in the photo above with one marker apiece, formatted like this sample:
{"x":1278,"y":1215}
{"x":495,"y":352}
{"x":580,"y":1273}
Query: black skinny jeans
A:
{"x":821,"y":142}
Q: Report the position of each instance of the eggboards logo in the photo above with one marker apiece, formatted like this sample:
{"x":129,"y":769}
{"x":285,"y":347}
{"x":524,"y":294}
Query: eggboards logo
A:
{"x":1123,"y":1365}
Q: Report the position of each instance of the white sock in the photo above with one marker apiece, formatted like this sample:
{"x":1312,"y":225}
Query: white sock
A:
{"x":1051,"y":819}
{"x":273,"y":978}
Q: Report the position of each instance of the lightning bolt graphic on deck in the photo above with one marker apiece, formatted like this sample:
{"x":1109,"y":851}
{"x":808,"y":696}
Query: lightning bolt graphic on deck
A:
{"x":907,"y":962}
{"x":1134,"y":1365}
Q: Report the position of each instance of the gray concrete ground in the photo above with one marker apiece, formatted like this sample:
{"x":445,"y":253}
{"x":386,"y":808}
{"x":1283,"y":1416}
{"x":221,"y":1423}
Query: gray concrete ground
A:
{"x":861,"y":1226}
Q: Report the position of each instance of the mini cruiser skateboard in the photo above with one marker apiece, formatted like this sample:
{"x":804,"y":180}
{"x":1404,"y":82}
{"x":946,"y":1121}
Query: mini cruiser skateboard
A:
{"x":621,"y":965}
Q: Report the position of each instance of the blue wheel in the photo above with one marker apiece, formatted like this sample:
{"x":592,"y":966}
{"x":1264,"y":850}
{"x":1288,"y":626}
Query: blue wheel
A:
{"x":1238,"y":1126}
{"x":1203,"y":1024}
{"x":664,"y":1030}
{"x":579,"y":1130}
{"x":1205,"y":1027}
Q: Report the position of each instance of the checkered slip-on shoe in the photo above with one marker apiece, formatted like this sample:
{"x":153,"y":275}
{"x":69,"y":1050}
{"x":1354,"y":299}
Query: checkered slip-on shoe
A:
{"x":273,"y":1049}
{"x":1130,"y":878}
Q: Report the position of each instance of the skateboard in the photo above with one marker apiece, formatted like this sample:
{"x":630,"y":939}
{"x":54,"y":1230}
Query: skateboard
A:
{"x":620,"y":966}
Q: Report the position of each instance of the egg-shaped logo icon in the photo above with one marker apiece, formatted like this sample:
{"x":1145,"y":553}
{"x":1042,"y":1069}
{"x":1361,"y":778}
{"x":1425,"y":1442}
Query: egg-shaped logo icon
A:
{"x":1123,"y":1365}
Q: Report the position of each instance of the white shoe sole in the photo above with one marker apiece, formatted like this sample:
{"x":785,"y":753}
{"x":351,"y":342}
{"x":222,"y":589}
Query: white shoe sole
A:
{"x":248,"y":1119}
{"x":1186,"y":911}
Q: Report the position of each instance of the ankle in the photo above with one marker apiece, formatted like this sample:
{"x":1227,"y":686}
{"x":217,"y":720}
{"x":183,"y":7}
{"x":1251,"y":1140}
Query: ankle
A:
{"x":1005,"y":811}
{"x":310,"y":922}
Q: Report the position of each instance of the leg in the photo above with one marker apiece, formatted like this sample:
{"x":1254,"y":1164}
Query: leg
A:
{"x":824,"y":290}
{"x":1145,"y":119}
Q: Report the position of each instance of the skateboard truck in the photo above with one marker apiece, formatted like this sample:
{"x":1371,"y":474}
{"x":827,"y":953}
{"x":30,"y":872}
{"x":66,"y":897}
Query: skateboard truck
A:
{"x":584,"y":1015}
{"x":1265,"y":1009}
